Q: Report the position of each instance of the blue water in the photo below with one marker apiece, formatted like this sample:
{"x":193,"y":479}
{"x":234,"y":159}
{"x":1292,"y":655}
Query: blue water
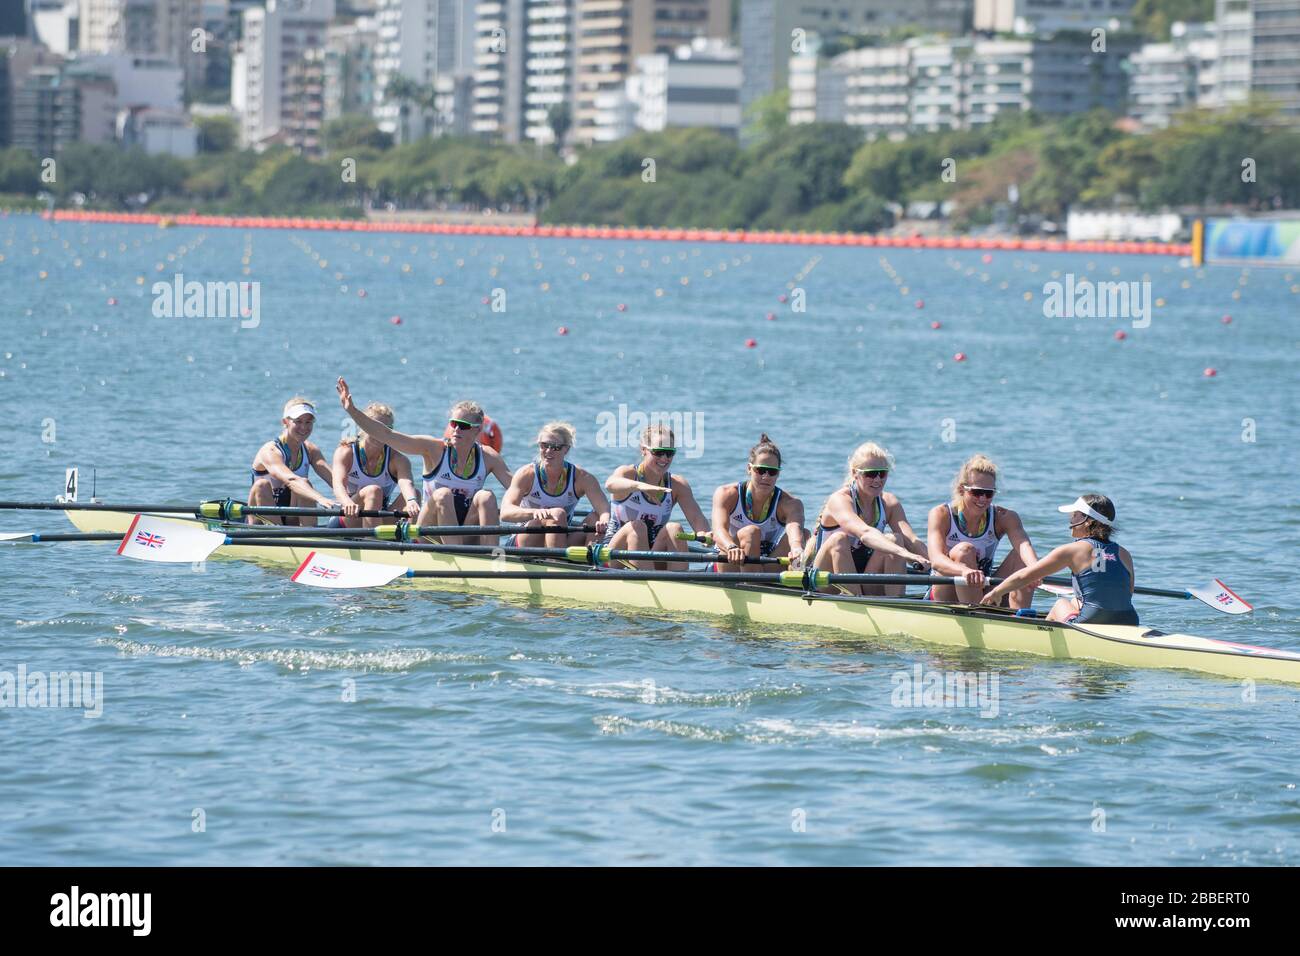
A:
{"x":486,"y":730}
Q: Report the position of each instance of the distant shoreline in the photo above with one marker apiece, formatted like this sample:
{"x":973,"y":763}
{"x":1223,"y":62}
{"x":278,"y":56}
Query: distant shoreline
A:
{"x":753,"y":237}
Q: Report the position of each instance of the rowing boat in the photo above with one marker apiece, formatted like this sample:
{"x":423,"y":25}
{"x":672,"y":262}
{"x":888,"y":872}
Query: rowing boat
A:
{"x":862,"y":617}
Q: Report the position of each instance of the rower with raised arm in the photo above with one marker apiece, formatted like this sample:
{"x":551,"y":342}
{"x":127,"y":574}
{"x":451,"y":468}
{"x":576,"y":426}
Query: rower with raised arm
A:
{"x":643,"y":496}
{"x":371,"y":476}
{"x":863,"y":529}
{"x":546,"y":492}
{"x":1100,"y":570}
{"x":754,"y":517}
{"x":455,"y":469}
{"x":279,"y":474}
{"x":964,"y":535}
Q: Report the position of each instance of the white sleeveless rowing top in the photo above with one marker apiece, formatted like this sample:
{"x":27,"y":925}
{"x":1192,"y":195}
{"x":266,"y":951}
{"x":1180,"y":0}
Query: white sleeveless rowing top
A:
{"x":442,"y":475}
{"x":299,"y":469}
{"x":986,"y":544}
{"x":359,"y":478}
{"x":770,"y":528}
{"x":636,"y":507}
{"x":540,"y":498}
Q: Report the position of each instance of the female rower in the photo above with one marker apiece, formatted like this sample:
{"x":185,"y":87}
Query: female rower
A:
{"x":370,"y":476}
{"x":279,"y":475}
{"x":863,"y":529}
{"x":1100,"y":570}
{"x":455,"y":469}
{"x":964,"y":536}
{"x":754,"y":517}
{"x":643,"y":498}
{"x":547,"y":491}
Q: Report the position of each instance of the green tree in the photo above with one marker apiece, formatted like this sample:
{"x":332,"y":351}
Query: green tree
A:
{"x":560,"y":119}
{"x":217,"y":134}
{"x":355,"y":131}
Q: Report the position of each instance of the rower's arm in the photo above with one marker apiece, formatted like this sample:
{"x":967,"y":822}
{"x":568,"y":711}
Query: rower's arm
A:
{"x":690,"y":507}
{"x":318,"y":463}
{"x":342,"y":465}
{"x":937,"y":541}
{"x":724,"y":502}
{"x":586,"y":485}
{"x":620,"y":484}
{"x":1058,"y":560}
{"x":898,"y":521}
{"x":426,"y":445}
{"x":849,"y":522}
{"x":512,"y":510}
{"x":1016,"y":534}
{"x":497,"y":466}
{"x":791,"y":514}
{"x":405,"y":480}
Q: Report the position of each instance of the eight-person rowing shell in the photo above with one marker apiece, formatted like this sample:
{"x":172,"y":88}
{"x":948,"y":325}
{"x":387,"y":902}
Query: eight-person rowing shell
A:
{"x":455,"y":469}
{"x":546,"y":492}
{"x":369,"y":476}
{"x":279,"y":474}
{"x":1100,"y":570}
{"x":964,"y":535}
{"x":862,"y":529}
{"x":754,"y":517}
{"x":644,"y":496}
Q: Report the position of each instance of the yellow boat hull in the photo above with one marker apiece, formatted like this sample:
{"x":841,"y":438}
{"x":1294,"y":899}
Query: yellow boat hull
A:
{"x":953,"y":626}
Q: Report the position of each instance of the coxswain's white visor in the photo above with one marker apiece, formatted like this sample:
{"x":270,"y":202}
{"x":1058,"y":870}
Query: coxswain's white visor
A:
{"x":298,"y":410}
{"x":1082,"y":507}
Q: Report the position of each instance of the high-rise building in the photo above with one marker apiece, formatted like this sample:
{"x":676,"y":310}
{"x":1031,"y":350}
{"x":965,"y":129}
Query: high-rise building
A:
{"x":144,"y":27}
{"x":276,"y":85}
{"x":1166,"y":78}
{"x":698,"y":85}
{"x":57,"y":24}
{"x":931,"y":84}
{"x":771,"y":31}
{"x":524,"y":66}
{"x":1234,"y":23}
{"x":46,"y":112}
{"x":1051,"y":16}
{"x":350,"y":68}
{"x":430,"y":44}
{"x":1275,"y":55}
{"x":611,"y":34}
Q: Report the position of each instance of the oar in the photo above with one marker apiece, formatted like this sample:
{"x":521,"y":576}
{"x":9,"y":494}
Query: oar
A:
{"x":226,"y":510}
{"x":157,"y":539}
{"x":1216,"y":594}
{"x":331,"y":571}
{"x":398,"y":532}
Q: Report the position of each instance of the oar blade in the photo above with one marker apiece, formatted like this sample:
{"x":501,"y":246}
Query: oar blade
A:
{"x":18,"y":536}
{"x":1220,"y":597}
{"x":330,"y":571}
{"x":170,"y":542}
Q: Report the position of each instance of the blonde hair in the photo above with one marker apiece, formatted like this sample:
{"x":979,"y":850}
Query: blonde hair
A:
{"x":977,"y":464}
{"x":467,"y":411}
{"x":381,"y":412}
{"x":864,"y":453}
{"x":563,"y":429}
{"x":658,"y":430}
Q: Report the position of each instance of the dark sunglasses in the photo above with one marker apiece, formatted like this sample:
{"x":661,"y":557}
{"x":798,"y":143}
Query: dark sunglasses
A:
{"x":982,"y":492}
{"x":663,"y":452}
{"x":765,"y":470}
{"x":461,"y":426}
{"x":878,"y":473}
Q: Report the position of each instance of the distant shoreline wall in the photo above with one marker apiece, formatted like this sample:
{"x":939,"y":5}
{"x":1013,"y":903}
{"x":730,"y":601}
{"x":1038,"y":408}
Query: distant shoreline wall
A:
{"x":630,"y":232}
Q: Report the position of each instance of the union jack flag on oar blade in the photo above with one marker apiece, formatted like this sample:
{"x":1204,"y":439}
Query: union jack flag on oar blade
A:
{"x":151,"y":538}
{"x":329,"y":571}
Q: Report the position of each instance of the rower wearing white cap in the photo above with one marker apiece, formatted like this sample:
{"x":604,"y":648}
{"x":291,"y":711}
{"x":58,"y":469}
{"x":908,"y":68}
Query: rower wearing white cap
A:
{"x":1100,"y":570}
{"x":279,"y":474}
